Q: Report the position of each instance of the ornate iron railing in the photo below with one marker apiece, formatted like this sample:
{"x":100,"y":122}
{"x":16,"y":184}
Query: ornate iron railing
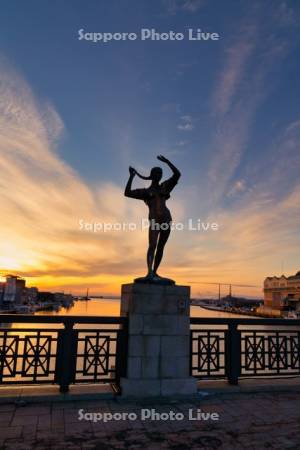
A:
{"x":240,"y":348}
{"x":72,"y":349}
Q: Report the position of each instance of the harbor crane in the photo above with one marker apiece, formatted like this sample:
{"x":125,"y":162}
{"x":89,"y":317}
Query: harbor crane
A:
{"x":225,"y":284}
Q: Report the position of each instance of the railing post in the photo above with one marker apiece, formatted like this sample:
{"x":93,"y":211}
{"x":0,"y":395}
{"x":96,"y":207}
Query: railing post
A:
{"x":233,"y":353}
{"x":66,"y":356}
{"x":191,"y":351}
{"x":121,"y":353}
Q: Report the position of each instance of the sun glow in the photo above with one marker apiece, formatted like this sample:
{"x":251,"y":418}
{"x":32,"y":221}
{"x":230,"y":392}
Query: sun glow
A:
{"x":9,"y":263}
{"x":13,"y":258}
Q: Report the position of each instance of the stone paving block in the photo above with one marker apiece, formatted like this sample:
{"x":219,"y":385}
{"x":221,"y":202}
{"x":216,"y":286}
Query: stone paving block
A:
{"x":7,"y":407}
{"x":184,"y":386}
{"x":57,"y":417}
{"x":6,"y":417}
{"x":71,"y":415}
{"x":80,"y":429}
{"x":44,"y":422}
{"x":24,"y":420}
{"x":29,"y":433}
{"x":10,"y":432}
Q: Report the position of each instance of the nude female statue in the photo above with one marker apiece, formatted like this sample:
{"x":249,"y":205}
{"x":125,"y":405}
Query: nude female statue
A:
{"x":155,"y":197}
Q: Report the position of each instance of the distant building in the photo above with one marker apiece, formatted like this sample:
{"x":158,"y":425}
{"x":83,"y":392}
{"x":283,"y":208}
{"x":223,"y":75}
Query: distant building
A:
{"x":13,"y":290}
{"x":30,"y":296}
{"x":283,"y":292}
{"x":47,"y":297}
{"x":64,"y":299}
{"x":2,"y":287}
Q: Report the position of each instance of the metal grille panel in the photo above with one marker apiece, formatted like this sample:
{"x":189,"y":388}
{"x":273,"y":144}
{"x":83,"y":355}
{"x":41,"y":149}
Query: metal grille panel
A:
{"x":268,"y":352}
{"x":29,"y":356}
{"x":207,"y":353}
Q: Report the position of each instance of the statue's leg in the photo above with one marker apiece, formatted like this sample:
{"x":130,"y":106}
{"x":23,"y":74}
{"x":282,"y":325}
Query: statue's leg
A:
{"x":163,"y":237}
{"x":153,"y":237}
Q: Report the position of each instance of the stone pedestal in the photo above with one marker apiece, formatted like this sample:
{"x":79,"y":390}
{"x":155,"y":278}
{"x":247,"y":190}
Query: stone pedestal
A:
{"x":159,"y":340}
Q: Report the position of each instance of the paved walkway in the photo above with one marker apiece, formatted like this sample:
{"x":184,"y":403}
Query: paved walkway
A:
{"x":246,"y":421}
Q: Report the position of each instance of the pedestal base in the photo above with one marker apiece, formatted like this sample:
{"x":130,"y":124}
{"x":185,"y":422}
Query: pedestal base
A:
{"x":158,"y":387}
{"x":158,"y":360}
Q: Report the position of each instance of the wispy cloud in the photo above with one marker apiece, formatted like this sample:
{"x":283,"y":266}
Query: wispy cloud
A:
{"x":43,"y":199}
{"x":257,"y":212}
{"x":261,"y":228}
{"x":238,"y":187}
{"x":241,"y":88}
{"x":294,"y":126}
{"x":186,"y":123}
{"x":237,"y":59}
{"x":191,"y":6}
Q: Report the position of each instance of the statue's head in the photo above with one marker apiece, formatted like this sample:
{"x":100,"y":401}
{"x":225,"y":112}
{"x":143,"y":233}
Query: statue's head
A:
{"x":156,"y":174}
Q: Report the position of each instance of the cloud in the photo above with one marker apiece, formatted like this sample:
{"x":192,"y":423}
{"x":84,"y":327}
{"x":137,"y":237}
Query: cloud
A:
{"x":190,"y":6}
{"x":235,"y":67}
{"x":186,"y":123}
{"x":251,"y":243}
{"x":238,"y":187}
{"x":42,"y":200}
{"x":241,"y":88}
{"x":285,"y":15}
{"x":260,"y":227}
{"x":294,"y":126}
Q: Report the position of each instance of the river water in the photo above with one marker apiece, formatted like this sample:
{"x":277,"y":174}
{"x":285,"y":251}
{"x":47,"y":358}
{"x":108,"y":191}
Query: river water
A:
{"x":111,"y":307}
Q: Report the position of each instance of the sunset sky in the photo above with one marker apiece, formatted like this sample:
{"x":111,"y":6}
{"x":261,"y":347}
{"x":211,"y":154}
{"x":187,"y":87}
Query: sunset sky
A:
{"x":75,"y":114}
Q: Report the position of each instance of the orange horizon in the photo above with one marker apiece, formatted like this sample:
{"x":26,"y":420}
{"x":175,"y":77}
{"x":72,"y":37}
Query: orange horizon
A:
{"x":111,"y":286}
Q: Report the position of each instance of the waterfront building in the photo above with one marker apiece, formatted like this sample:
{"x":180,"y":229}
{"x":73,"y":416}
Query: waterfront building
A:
{"x":63,"y":299}
{"x":282,"y":293}
{"x":13,"y":290}
{"x":30,"y":296}
{"x":2,"y":286}
{"x":46,"y":297}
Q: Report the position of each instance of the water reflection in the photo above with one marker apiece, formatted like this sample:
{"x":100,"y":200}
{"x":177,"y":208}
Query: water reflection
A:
{"x":109,"y":307}
{"x":101,"y":307}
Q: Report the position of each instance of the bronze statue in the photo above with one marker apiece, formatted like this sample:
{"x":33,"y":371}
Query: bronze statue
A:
{"x":155,"y":197}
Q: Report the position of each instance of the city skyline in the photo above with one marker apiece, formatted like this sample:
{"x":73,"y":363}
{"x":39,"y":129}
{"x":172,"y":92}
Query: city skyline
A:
{"x":75,"y":114}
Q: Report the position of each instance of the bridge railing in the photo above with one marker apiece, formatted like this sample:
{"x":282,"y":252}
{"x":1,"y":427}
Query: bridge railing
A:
{"x":62,"y":349}
{"x":244,"y":348}
{"x":65,"y":350}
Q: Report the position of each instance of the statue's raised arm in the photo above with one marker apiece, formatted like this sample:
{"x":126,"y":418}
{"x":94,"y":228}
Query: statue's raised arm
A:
{"x":174,"y":169}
